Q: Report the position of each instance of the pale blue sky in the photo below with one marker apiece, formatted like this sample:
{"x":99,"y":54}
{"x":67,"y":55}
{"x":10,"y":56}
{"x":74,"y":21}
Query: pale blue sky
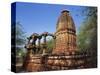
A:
{"x":39,"y":18}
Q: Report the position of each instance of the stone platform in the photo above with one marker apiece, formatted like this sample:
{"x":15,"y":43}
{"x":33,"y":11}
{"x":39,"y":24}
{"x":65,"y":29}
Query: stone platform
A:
{"x":58,"y":62}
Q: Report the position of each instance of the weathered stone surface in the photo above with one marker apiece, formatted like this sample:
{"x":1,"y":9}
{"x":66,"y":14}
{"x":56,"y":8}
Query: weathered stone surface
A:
{"x":65,"y":34}
{"x":57,"y":62}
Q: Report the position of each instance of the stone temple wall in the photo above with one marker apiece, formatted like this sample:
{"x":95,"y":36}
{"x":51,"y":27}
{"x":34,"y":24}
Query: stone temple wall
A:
{"x":58,"y":62}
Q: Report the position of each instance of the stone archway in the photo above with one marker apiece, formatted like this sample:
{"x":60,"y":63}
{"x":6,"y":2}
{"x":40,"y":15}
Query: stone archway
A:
{"x":31,"y":46}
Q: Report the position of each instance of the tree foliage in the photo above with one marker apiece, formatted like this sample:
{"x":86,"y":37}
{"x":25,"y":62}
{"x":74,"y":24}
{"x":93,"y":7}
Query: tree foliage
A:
{"x":49,"y":47}
{"x":50,"y":44}
{"x":18,"y":32}
{"x":87,"y":36}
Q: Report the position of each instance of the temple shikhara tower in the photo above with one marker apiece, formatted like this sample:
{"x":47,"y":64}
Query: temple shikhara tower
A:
{"x":65,"y":34}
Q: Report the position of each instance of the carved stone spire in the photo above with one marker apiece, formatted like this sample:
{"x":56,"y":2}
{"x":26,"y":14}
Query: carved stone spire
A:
{"x":65,"y":34}
{"x":65,"y":21}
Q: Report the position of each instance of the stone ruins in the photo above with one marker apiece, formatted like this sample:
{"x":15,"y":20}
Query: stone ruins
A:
{"x":64,"y":55}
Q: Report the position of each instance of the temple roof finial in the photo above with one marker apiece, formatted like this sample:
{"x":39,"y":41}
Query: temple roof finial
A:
{"x":65,"y":11}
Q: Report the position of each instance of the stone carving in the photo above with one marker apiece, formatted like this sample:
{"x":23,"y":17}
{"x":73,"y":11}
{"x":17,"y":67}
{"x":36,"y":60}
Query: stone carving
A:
{"x":32,"y":42}
{"x":65,"y":34}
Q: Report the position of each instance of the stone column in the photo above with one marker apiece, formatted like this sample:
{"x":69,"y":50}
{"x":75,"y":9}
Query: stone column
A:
{"x":45,"y":39}
{"x":29,"y":47}
{"x":39,"y":41}
{"x":44,"y":45}
{"x":34,"y":43}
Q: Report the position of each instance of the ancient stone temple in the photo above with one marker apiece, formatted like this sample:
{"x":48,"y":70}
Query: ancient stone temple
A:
{"x":65,"y":34}
{"x":64,"y":55}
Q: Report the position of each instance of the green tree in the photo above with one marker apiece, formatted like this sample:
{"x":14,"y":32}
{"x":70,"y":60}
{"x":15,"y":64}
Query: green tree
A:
{"x":19,"y":37}
{"x":50,"y":44}
{"x":49,"y":47}
{"x":87,"y":36}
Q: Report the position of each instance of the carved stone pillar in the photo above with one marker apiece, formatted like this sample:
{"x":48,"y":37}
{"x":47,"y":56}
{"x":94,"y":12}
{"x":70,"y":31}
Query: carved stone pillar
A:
{"x":34,"y":45}
{"x":29,"y":48}
{"x":44,"y":45}
{"x":39,"y":42}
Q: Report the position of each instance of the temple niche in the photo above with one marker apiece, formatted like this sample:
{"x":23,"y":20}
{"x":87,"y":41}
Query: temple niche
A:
{"x":65,"y":41}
